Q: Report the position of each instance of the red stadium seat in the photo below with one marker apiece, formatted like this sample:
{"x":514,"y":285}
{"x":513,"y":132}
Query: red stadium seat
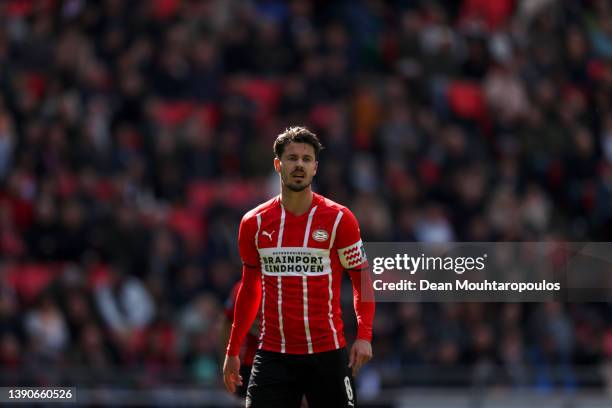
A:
{"x":29,"y":280}
{"x":263,"y":93}
{"x":187,"y":223}
{"x":495,"y":13}
{"x":466,"y":100}
{"x":172,"y":114}
{"x":200,"y":195}
{"x":166,"y":9}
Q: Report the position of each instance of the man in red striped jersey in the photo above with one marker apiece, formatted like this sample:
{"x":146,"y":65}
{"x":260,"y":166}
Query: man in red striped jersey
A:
{"x":294,"y":250}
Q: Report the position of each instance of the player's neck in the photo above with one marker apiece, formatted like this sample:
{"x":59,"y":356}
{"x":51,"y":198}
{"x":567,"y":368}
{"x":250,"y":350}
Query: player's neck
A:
{"x":296,"y":202}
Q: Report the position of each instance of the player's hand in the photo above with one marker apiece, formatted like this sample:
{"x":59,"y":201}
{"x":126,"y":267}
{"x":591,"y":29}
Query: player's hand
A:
{"x":361,"y":353}
{"x":231,"y":373}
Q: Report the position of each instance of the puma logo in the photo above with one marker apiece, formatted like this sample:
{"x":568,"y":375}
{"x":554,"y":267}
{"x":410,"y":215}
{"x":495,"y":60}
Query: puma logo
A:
{"x":268,"y":234}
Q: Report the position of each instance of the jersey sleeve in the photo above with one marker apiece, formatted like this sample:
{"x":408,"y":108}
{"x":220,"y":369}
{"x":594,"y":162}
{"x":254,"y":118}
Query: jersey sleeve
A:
{"x":348,"y":242}
{"x":249,"y":293}
{"x":353,"y":258}
{"x":246,"y":242}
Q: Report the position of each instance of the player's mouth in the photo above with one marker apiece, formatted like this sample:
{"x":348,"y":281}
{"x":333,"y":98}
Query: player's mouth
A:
{"x":299,"y":176}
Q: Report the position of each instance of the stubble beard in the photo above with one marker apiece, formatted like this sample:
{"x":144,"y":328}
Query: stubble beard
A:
{"x":296,"y":188}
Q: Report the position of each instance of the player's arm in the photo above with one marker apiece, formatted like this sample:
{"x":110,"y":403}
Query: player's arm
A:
{"x":363,"y":302}
{"x":353,"y":259}
{"x":247,"y":303}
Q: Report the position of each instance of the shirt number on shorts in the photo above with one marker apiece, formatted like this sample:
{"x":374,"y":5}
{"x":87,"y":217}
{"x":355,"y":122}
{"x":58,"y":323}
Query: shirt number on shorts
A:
{"x":349,"y":389}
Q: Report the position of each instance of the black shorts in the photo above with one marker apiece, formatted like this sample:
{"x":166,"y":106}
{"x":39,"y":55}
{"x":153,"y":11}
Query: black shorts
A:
{"x":280,"y":380}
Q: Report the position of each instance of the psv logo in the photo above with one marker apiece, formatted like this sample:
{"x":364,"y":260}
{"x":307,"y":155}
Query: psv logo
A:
{"x":320,"y":235}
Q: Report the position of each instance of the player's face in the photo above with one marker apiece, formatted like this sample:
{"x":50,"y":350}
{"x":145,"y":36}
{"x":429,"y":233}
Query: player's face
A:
{"x":297,"y":166}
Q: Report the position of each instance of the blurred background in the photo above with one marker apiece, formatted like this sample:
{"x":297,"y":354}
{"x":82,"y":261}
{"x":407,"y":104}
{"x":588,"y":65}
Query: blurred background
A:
{"x":135,"y":134}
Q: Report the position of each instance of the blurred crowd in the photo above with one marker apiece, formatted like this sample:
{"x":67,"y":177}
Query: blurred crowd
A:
{"x":134,"y":135}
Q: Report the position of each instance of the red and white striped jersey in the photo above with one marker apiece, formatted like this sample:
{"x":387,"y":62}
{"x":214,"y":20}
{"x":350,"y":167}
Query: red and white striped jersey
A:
{"x":301,"y":260}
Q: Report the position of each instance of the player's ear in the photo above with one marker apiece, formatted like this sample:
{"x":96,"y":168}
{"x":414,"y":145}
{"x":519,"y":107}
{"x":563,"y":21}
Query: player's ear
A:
{"x":277,"y":165}
{"x":315,"y":167}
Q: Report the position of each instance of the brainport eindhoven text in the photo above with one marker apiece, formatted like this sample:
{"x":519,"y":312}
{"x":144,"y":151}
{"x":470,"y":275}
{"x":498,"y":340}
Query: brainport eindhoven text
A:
{"x":465,"y":285}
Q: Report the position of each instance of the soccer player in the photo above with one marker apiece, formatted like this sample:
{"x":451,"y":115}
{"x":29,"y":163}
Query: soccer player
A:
{"x":295,"y":248}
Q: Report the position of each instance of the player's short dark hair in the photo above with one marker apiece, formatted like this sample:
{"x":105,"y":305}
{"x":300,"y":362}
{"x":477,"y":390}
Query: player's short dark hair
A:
{"x":296,"y":134}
